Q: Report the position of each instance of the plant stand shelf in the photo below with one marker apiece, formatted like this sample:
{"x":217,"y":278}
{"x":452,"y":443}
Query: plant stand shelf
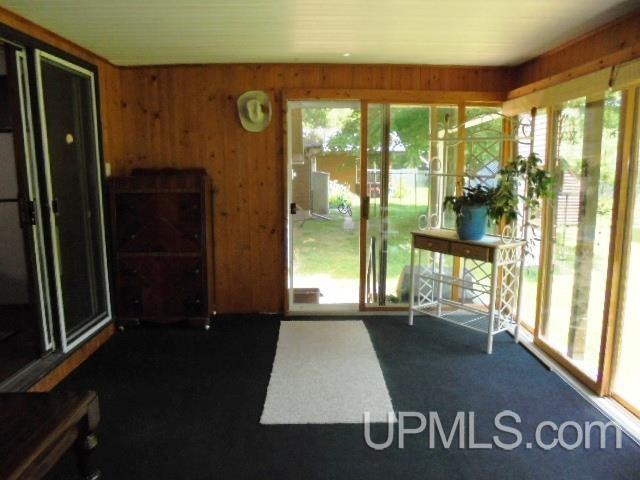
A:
{"x":484,"y":298}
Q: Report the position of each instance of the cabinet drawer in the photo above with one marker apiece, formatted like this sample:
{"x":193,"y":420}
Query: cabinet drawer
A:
{"x":161,"y":286}
{"x":476,"y":252}
{"x":432,"y":244}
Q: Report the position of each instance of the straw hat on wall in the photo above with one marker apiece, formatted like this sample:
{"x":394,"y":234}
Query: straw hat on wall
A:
{"x":254,"y":110}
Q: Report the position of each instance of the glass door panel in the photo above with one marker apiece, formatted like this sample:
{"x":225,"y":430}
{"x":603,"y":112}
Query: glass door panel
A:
{"x":445,"y":160}
{"x":377,"y":115}
{"x":586,"y":146}
{"x":626,"y":378}
{"x":529,"y":298}
{"x":73,"y":170}
{"x":402,"y":153}
{"x":407,"y":195}
{"x":324,"y":213}
{"x":25,"y":330}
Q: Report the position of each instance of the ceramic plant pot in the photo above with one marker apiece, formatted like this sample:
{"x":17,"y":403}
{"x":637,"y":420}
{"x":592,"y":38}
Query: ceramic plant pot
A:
{"x":472,"y":224}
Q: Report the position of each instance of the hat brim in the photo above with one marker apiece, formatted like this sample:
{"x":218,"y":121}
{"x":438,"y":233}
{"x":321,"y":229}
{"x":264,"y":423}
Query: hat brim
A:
{"x":264,"y":100}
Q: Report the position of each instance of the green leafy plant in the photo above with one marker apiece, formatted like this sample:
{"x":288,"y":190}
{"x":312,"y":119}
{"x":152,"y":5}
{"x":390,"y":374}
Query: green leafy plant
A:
{"x":503,"y":201}
{"x":520,"y":172}
{"x":338,"y":194}
{"x":471,"y":196}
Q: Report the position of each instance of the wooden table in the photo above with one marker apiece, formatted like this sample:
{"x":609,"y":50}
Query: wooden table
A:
{"x":498,"y":282}
{"x":36,"y":429}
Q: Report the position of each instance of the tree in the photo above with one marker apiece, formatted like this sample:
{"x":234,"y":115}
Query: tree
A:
{"x":409,"y":132}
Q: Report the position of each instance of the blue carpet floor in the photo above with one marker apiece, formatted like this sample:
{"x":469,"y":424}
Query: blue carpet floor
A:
{"x":186,"y":404}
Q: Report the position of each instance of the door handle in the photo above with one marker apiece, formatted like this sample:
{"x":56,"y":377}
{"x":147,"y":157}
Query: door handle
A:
{"x":27,"y":212}
{"x":293,"y":208}
{"x":365,"y":208}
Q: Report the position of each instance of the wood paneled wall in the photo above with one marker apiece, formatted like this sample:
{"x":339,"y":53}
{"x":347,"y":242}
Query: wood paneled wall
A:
{"x":609,"y":45}
{"x":185,"y":116}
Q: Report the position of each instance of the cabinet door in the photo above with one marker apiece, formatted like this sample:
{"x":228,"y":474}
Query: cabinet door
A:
{"x":68,"y":119}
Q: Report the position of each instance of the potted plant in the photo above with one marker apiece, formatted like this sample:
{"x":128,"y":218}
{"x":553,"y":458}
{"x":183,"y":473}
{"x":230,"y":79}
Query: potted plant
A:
{"x":471,"y":210}
{"x":522,"y":179}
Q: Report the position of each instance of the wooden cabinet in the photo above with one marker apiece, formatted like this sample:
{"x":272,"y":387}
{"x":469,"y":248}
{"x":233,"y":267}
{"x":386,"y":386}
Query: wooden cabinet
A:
{"x":162,"y":233}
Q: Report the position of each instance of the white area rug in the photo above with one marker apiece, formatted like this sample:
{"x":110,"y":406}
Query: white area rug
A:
{"x":325,"y":372}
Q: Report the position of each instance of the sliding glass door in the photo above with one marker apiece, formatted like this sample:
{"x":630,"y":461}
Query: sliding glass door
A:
{"x":73,"y":170}
{"x":580,"y":225}
{"x":350,"y":224}
{"x":25,"y":316}
{"x":398,"y":157}
{"x":40,"y":282}
{"x":586,"y":253}
{"x":351,"y":218}
{"x":324,"y":204}
{"x":532,"y":129}
{"x":625,"y":384}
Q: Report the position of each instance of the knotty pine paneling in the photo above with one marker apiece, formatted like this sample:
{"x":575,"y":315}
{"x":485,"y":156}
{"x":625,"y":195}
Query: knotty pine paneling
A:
{"x":185,"y":116}
{"x":609,"y":45}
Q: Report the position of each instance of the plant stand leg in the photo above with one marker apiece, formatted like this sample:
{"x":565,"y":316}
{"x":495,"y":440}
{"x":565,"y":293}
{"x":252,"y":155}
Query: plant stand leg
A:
{"x":440,"y":262}
{"x":492,"y":302}
{"x":412,"y":286}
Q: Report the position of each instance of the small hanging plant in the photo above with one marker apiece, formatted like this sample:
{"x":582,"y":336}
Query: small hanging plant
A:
{"x":481,"y":204}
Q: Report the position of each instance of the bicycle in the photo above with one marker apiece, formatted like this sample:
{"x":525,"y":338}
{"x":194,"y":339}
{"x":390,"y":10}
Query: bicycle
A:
{"x":344,"y":208}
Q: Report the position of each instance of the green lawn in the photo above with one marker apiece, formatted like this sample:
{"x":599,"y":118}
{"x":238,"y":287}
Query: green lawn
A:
{"x":331,"y":247}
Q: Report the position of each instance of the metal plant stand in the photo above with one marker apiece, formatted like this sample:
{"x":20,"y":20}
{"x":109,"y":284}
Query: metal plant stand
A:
{"x":483,"y":290}
{"x":488,"y":292}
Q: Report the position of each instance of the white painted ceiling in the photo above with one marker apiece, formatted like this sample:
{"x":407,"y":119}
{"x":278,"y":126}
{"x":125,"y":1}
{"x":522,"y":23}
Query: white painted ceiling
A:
{"x":448,"y":32}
